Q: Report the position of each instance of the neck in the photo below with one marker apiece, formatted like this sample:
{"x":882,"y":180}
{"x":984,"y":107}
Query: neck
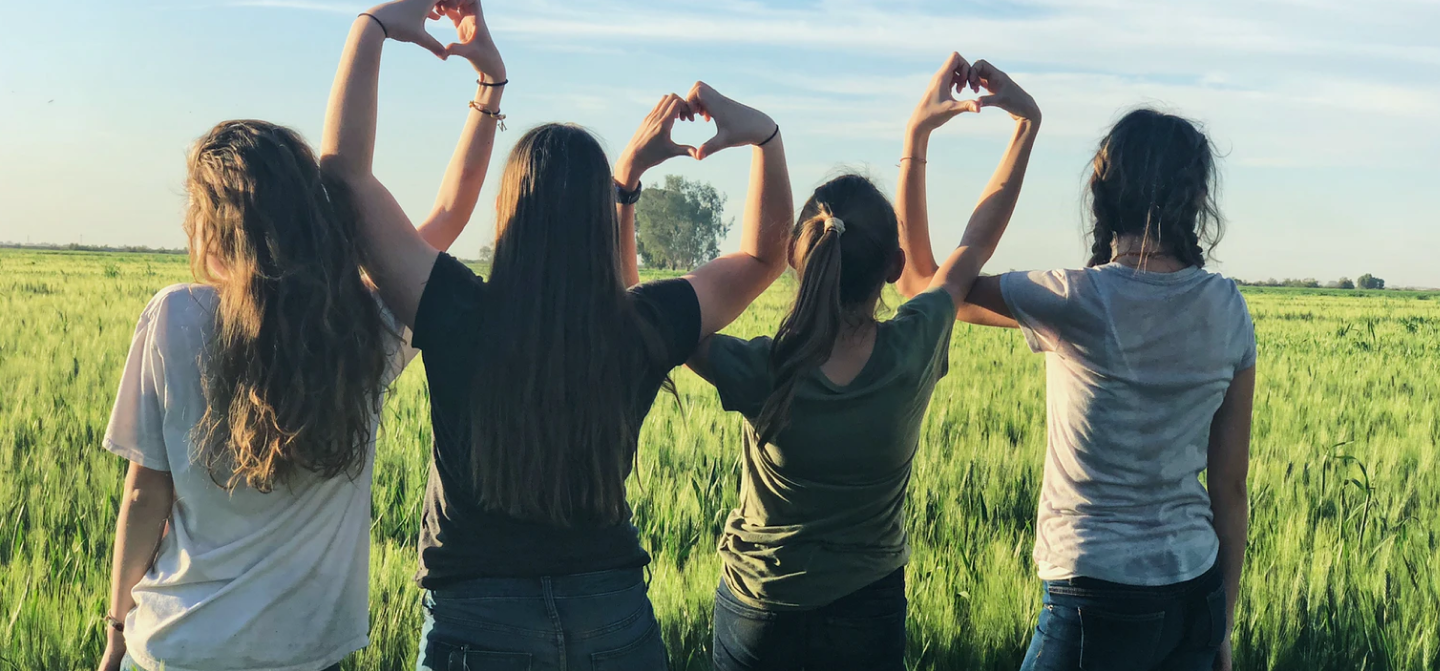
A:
{"x":1144,"y":254}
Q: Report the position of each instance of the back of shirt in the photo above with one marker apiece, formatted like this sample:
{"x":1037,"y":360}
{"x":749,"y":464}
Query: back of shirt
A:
{"x":821,"y":511}
{"x":243,"y":580}
{"x":1137,"y":365}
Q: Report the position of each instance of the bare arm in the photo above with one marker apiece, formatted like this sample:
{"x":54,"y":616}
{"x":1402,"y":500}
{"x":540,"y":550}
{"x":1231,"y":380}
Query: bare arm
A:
{"x":650,"y":147}
{"x":991,"y":217}
{"x":1229,"y":467}
{"x":401,"y":257}
{"x":728,"y":285}
{"x":144,"y":511}
{"x":937,"y":107}
{"x":465,"y":175}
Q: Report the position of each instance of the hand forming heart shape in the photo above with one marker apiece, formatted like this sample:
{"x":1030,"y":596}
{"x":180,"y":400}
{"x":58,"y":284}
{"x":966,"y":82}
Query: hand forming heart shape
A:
{"x":736,"y":124}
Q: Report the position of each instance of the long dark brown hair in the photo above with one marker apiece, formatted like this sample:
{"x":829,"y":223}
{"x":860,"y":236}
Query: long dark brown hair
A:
{"x":1155,"y":176}
{"x":292,"y":376}
{"x":554,"y":420}
{"x":841,"y":275}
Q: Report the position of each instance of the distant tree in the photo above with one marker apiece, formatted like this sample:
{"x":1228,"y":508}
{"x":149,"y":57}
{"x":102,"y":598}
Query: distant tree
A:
{"x":679,"y":225}
{"x":1345,"y":283}
{"x":487,"y":255}
{"x":1368,"y":281}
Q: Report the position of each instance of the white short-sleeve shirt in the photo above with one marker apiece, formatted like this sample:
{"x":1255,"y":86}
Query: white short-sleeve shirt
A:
{"x":1137,"y":364}
{"x":243,"y":580}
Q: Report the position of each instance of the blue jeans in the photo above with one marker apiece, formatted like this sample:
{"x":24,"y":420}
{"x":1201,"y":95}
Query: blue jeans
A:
{"x":591,"y":622}
{"x":129,"y":664}
{"x":862,"y":631}
{"x":1092,"y":624}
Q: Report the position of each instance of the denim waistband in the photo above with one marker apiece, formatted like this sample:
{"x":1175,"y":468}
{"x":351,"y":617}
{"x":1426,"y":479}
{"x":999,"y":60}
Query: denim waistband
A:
{"x":562,"y":586}
{"x":1081,"y":586}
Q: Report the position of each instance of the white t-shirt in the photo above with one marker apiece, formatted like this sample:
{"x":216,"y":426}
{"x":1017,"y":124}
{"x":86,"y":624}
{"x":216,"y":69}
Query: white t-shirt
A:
{"x":1137,"y":364}
{"x":243,"y":581}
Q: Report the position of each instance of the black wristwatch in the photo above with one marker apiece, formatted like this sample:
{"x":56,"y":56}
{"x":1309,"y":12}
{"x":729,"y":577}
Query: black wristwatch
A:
{"x":626,"y":197}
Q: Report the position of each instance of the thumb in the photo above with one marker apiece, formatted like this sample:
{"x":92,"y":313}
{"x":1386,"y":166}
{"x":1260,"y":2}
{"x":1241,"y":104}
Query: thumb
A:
{"x":677,"y":149}
{"x":708,"y":149}
{"x":963,"y":106}
{"x":428,"y":41}
{"x":987,"y":101}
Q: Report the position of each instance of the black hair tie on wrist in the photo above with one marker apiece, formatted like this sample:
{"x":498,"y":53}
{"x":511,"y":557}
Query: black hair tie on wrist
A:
{"x":378,"y":22}
{"x":772,"y":136}
{"x":491,"y":84}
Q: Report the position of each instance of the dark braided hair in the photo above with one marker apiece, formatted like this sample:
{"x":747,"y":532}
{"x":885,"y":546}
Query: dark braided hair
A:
{"x":1154,"y":176}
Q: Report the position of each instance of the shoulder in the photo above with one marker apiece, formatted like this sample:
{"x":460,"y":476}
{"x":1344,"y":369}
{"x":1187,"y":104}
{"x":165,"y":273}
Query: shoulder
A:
{"x":736,"y":350}
{"x":672,"y":306}
{"x":676,"y":293}
{"x":1060,"y":281}
{"x":184,"y":303}
{"x":934,"y":302}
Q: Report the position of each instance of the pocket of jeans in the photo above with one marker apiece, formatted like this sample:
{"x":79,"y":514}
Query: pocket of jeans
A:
{"x":1118,"y":641}
{"x":1219,"y":617}
{"x":645,"y":654}
{"x":446,"y":656}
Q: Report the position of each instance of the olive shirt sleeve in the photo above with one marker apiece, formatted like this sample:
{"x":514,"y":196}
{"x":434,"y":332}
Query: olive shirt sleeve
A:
{"x":740,"y":371}
{"x":927,"y":321}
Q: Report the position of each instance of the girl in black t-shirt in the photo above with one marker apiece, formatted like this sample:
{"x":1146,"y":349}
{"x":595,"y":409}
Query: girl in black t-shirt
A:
{"x":541,"y":376}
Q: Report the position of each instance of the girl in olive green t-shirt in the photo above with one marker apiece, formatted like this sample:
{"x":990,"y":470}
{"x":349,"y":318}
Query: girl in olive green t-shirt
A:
{"x":813,"y":558}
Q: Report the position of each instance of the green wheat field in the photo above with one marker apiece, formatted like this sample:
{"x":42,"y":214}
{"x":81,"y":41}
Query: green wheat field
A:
{"x":1344,"y":563}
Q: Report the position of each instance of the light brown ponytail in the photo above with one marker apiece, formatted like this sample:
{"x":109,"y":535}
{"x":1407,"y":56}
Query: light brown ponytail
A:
{"x":844,"y":246}
{"x":808,"y":333}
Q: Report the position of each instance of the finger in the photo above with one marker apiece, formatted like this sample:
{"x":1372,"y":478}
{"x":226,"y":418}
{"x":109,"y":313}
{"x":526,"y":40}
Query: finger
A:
{"x":988,"y":101}
{"x":681,"y":150}
{"x":963,"y":106}
{"x":429,"y":42}
{"x":710,"y":148}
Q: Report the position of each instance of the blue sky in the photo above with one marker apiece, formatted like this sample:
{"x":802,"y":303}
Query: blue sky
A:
{"x":1326,"y":110}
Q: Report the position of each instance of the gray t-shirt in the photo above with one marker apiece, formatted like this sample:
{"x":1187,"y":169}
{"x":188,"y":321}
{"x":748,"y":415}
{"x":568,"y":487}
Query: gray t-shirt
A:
{"x":1137,"y":365}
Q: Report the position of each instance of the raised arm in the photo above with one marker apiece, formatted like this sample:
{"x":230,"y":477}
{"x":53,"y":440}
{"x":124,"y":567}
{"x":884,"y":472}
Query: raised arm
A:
{"x":650,"y":147}
{"x":400,"y":256}
{"x":1229,"y":467}
{"x":144,"y":510}
{"x":959,"y":274}
{"x":464,"y":177}
{"x":729,"y":284}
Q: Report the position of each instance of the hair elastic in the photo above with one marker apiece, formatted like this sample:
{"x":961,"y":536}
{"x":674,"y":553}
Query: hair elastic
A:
{"x":772,"y":136}
{"x":835,"y":224}
{"x":495,"y":85}
{"x":378,"y":22}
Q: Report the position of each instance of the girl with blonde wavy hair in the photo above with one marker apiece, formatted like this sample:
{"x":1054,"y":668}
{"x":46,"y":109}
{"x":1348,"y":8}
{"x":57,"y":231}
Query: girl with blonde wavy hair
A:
{"x":248,"y":410}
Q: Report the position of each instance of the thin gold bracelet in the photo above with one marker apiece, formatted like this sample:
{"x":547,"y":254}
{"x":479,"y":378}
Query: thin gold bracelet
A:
{"x":496,"y":115}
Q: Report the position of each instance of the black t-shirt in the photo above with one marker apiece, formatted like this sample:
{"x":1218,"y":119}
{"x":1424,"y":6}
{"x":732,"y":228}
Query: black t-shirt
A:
{"x":458,"y":539}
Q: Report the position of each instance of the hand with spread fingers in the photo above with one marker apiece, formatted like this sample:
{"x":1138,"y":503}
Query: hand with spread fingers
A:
{"x":475,"y":45}
{"x":652,"y":144}
{"x":1004,"y":93}
{"x":736,"y":125}
{"x":939,"y":104}
{"x":404,"y":21}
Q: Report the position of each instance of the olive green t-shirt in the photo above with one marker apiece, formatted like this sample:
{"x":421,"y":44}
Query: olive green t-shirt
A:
{"x":821,"y":511}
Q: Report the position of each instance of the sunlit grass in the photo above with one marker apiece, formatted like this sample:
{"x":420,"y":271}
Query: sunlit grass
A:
{"x":1345,"y":485}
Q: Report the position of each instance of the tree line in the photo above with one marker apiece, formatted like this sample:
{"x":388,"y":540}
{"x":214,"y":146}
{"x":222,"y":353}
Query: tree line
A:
{"x":1366,"y":281}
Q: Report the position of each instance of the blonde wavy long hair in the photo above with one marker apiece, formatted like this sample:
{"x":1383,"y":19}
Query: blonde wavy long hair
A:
{"x":293,"y":373}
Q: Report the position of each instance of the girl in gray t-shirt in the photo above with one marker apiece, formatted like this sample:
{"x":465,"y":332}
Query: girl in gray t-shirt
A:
{"x":1150,"y":380}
